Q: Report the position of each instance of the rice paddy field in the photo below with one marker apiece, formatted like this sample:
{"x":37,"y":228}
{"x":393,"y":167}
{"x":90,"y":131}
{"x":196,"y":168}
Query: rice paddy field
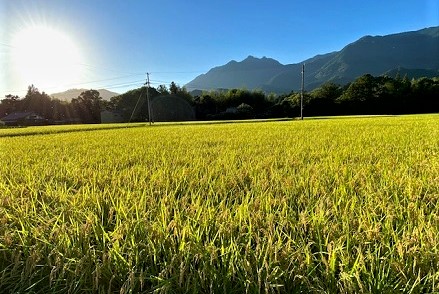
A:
{"x":335,"y":205}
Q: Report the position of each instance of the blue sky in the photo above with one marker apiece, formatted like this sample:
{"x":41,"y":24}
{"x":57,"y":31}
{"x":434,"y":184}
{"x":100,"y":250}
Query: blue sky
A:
{"x":175,"y":40}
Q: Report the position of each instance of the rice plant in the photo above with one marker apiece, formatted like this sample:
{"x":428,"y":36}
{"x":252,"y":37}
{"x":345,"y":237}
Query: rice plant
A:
{"x":320,"y":206}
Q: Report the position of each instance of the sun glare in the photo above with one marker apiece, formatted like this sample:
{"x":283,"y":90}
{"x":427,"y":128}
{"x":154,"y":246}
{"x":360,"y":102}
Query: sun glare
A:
{"x":46,"y":57}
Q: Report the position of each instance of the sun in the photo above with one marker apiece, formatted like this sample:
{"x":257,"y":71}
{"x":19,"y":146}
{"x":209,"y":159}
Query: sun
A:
{"x":45,"y":57}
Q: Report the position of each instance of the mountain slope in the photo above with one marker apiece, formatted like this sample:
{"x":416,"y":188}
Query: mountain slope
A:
{"x":74,"y":93}
{"x":415,"y":52}
{"x":291,"y":77}
{"x":250,"y":73}
{"x":376,"y":55}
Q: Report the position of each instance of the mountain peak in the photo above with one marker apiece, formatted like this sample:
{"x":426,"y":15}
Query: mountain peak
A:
{"x":68,"y":95}
{"x":250,"y":58}
{"x":374,"y":55}
{"x":264,"y":59}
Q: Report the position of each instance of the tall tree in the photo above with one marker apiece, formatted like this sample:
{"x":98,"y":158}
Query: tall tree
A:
{"x":88,"y":106}
{"x":163,"y":90}
{"x":37,"y":102}
{"x":173,"y":88}
{"x":9,"y":105}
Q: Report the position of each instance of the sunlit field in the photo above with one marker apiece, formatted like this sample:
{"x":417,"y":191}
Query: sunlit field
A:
{"x":322,"y":205}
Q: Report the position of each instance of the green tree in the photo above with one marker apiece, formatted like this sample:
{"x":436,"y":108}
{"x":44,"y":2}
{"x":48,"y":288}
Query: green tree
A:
{"x":9,"y":105}
{"x":425,"y":94}
{"x":360,"y":90}
{"x":88,"y":106}
{"x":360,"y":96}
{"x":205,"y":105}
{"x":245,"y":110}
{"x":322,"y":100}
{"x":163,"y":90}
{"x":37,"y":102}
{"x":173,"y":88}
{"x":126,"y":103}
{"x":328,"y":91}
{"x":180,"y":92}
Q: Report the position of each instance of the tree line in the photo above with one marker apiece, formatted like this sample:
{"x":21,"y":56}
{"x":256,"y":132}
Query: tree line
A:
{"x":365,"y":95}
{"x":86,"y":108}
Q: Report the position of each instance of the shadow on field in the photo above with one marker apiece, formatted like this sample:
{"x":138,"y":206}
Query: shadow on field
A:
{"x":346,"y":117}
{"x":217,"y":122}
{"x":22,"y":131}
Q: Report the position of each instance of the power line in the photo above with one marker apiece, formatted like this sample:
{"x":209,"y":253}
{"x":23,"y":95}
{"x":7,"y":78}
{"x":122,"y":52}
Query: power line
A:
{"x":157,"y":81}
{"x":82,"y":63}
{"x":97,"y":81}
{"x":91,"y":82}
{"x":118,"y":70}
{"x":177,"y":72}
{"x":122,"y":85}
{"x":94,"y":67}
{"x":118,"y":85}
{"x":108,"y":69}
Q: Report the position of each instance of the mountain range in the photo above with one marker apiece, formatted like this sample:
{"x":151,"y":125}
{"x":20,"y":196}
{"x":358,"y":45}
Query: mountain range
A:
{"x":414,"y":54}
{"x":74,"y":93}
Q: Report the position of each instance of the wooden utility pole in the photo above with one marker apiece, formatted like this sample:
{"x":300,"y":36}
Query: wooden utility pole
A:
{"x":147,"y":98}
{"x":301,"y":92}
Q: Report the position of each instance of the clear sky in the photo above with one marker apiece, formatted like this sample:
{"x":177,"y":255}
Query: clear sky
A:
{"x":62,"y":44}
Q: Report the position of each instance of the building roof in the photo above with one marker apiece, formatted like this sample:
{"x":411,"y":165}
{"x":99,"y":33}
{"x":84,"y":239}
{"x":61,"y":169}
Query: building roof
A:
{"x":19,"y":115}
{"x":16,"y":115}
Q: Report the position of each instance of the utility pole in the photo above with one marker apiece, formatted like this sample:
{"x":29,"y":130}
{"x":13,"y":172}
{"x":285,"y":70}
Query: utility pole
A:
{"x":301,"y":92}
{"x":147,"y":98}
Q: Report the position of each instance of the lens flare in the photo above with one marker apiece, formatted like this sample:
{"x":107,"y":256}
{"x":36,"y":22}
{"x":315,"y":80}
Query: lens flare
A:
{"x":45,"y":57}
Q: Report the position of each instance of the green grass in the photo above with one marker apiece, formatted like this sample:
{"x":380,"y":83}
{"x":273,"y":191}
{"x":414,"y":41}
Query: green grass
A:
{"x":325,"y":205}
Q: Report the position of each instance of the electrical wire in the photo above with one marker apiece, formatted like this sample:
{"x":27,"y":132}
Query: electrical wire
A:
{"x":81,"y":85}
{"x":108,"y":69}
{"x":94,"y":67}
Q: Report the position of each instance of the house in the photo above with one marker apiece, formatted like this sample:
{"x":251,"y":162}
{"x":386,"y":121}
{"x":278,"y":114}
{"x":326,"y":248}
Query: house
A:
{"x":23,"y":119}
{"x":233,"y":110}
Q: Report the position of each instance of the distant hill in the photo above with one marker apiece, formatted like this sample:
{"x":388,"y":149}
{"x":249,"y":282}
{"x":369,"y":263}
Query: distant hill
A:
{"x":410,"y":53}
{"x":74,"y":93}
